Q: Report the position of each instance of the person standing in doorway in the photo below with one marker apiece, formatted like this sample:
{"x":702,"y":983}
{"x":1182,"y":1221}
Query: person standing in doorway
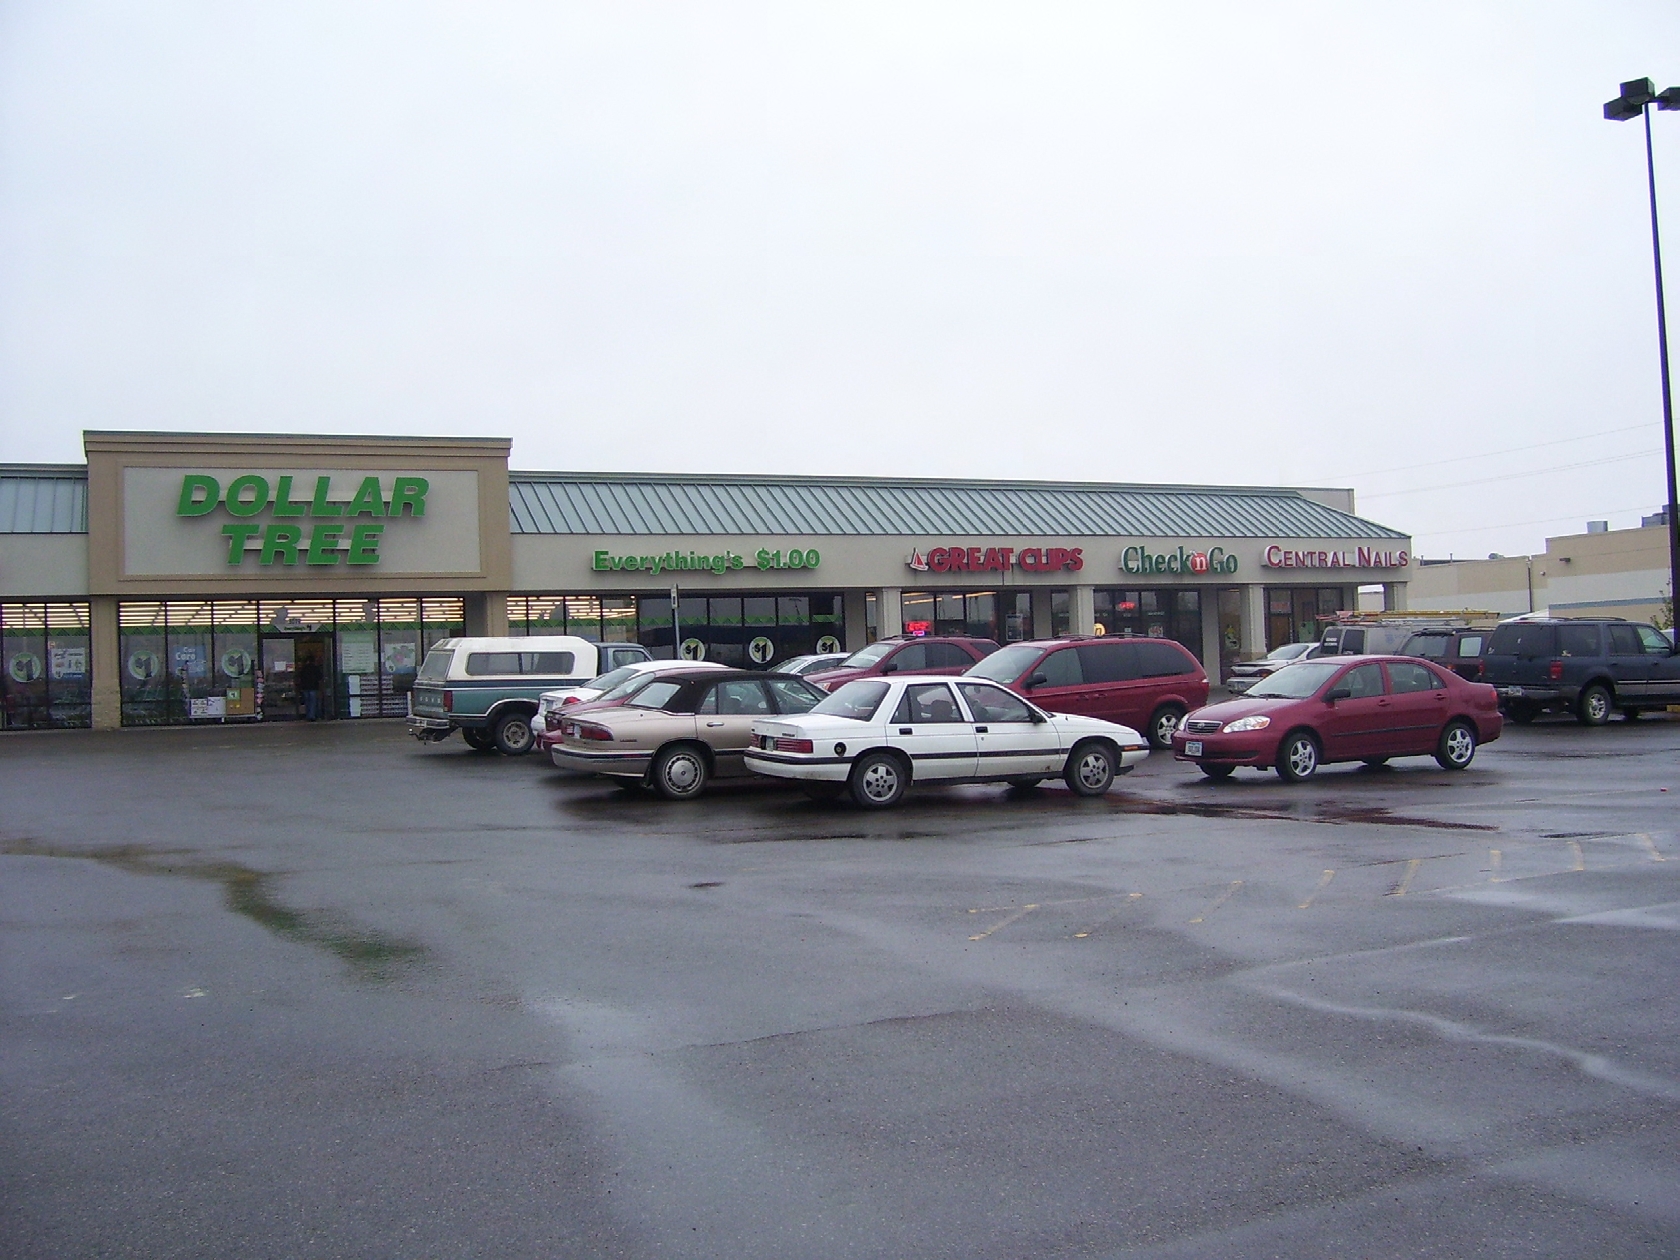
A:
{"x":309,"y":683}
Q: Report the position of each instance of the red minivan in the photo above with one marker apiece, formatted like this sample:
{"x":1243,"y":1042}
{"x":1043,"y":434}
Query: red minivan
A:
{"x":1146,"y":684}
{"x":906,"y":654}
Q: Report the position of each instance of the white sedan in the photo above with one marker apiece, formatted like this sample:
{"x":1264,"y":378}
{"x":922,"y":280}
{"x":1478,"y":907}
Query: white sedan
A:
{"x":873,"y":737}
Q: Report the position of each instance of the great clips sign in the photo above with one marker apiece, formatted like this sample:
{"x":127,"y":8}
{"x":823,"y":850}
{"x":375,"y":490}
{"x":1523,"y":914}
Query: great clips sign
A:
{"x":960,"y":559}
{"x":1280,"y":556}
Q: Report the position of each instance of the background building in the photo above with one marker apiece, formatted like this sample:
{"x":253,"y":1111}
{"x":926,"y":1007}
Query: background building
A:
{"x":182,"y":578}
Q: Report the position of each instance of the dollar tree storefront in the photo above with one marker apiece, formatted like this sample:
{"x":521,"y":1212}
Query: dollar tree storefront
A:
{"x":203,"y":578}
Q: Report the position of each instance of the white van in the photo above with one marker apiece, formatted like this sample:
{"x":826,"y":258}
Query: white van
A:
{"x":488,"y":689}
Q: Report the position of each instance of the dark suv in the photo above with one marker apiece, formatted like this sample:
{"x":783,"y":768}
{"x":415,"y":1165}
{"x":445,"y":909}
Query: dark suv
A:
{"x":1586,"y":667}
{"x":907,"y":654}
{"x":1146,"y":684}
{"x":1452,"y":647}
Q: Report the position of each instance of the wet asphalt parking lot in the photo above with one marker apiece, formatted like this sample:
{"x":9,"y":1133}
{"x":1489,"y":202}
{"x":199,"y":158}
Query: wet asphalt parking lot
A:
{"x":319,"y":991}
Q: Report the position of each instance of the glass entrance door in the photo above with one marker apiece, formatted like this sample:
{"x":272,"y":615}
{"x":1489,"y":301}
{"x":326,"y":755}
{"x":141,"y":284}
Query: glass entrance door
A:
{"x":277,"y":684}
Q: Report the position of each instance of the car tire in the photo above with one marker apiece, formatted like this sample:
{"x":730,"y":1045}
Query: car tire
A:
{"x":514,"y":736}
{"x":1593,"y":708}
{"x":1218,"y":772}
{"x":1090,"y":769}
{"x":478,"y":741}
{"x":878,"y":780}
{"x":1457,"y":747}
{"x":679,"y":772}
{"x":1163,"y":724}
{"x":1297,"y":758}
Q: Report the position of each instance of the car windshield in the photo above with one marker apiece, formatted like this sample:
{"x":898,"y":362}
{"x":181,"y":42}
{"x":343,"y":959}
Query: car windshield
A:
{"x":655,"y":695}
{"x":1289,"y":651}
{"x":630,"y":686}
{"x":1296,"y":682}
{"x":1006,"y":664}
{"x":858,"y":699}
{"x":869,"y":655}
{"x":792,"y":665}
{"x":611,"y":679}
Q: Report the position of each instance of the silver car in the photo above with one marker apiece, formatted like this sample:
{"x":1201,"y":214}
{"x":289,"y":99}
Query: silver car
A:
{"x":1246,"y":674}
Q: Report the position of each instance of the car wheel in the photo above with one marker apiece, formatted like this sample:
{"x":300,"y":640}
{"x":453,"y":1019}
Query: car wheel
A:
{"x":513,"y":735}
{"x":878,"y":780}
{"x":1090,"y":769}
{"x":1376,"y":763}
{"x":1218,"y":772}
{"x":1631,"y":715}
{"x":1298,"y":758}
{"x":479,"y":741}
{"x":1593,"y":708}
{"x":1164,"y":725}
{"x":1457,"y":746}
{"x":822,"y":790}
{"x":679,"y":773}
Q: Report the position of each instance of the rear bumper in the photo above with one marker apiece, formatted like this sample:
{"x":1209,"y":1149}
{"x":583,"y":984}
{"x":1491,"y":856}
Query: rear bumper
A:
{"x":428,"y":729}
{"x":633,"y":765}
{"x":792,"y":766}
{"x":1543,"y":695}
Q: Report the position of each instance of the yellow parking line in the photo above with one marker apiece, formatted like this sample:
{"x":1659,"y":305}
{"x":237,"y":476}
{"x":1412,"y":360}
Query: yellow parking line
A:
{"x":1580,"y":858}
{"x":1219,"y":900}
{"x":1130,"y":897}
{"x":1399,"y":889}
{"x":1005,"y":922}
{"x":1323,"y":883}
{"x":1651,"y":847}
{"x":1494,"y":858}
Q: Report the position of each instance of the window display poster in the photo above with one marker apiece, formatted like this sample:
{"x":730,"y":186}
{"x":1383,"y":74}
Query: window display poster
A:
{"x":23,"y":667}
{"x":67,"y":662}
{"x":399,"y":658}
{"x":207,"y":707}
{"x":189,"y":659}
{"x":358,"y":653}
{"x":241,"y":701}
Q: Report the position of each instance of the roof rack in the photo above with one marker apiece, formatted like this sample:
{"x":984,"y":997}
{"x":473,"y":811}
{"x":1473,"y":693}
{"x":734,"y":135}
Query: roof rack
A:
{"x":1474,"y":619}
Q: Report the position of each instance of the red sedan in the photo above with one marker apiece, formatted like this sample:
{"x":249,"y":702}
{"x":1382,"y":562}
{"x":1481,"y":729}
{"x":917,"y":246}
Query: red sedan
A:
{"x":1343,"y":708}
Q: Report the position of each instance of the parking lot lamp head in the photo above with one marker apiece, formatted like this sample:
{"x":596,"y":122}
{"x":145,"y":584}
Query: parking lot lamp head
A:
{"x":1637,"y":95}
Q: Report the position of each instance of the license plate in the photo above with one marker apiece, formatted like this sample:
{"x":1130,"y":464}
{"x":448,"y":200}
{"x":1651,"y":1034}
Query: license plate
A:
{"x":1513,"y":691}
{"x":1193,"y":748}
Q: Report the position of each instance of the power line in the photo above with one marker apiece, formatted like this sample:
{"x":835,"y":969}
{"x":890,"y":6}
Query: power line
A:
{"x":1512,"y":476}
{"x":1514,"y":450}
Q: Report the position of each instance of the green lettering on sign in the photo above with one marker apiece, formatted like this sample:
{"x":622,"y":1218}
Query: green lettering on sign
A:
{"x":199,"y":495}
{"x":248,"y":495}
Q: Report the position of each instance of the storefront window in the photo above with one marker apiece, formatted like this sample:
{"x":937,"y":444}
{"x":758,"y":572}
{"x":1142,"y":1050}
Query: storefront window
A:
{"x":1018,"y":620}
{"x":1175,"y":613}
{"x":46,"y":676}
{"x":1299,"y":614}
{"x":618,"y":619}
{"x":1061,"y":613}
{"x":954,"y":613}
{"x":1230,"y":629}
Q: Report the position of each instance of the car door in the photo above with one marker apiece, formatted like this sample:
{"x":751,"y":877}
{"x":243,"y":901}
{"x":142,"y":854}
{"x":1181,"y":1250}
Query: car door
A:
{"x":1418,"y":707}
{"x":1010,"y":739}
{"x":724,"y":720}
{"x":1118,"y":690}
{"x":934,"y":733}
{"x":1057,"y":683}
{"x":1357,"y":725}
{"x":1664,"y":683}
{"x":909,"y":659}
{"x":1468,"y":661}
{"x":1630,"y":667}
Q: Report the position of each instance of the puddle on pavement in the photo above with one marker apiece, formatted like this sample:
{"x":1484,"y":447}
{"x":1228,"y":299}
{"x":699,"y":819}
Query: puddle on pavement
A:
{"x":371,"y":955}
{"x":1322,"y":812}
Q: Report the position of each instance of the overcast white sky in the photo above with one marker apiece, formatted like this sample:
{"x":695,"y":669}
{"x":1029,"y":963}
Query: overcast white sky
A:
{"x":1270,"y":243}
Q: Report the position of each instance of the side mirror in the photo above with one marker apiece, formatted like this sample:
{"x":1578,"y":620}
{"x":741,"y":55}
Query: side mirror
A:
{"x":1038,"y":719}
{"x":891,"y":667}
{"x":1037,"y":680}
{"x":1337,"y":693}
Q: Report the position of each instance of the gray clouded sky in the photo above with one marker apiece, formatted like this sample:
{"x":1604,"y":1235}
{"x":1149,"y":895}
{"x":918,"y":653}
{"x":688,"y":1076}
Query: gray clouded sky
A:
{"x":1336,"y":243}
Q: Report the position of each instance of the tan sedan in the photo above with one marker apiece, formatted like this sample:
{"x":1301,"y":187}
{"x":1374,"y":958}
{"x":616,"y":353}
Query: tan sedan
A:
{"x":681,"y":731}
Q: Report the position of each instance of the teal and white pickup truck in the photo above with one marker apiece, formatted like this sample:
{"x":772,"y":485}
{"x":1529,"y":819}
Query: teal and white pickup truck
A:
{"x":488,"y":688}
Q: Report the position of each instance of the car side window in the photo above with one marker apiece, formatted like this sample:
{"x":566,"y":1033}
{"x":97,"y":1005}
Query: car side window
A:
{"x":1578,"y":641}
{"x":929,"y":704}
{"x":1655,"y":641}
{"x":1061,"y":668}
{"x":741,"y":699}
{"x":993,"y":704}
{"x":1161,"y":660}
{"x":1624,"y":641}
{"x":1108,"y":662}
{"x":912,"y":656}
{"x":1405,"y":678}
{"x":946,"y":656}
{"x":794,"y":696}
{"x":1353,"y":642}
{"x":1363,"y":682}
{"x":1470,"y":645}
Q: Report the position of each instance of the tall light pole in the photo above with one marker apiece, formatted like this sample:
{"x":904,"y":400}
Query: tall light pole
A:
{"x":1635,"y":102}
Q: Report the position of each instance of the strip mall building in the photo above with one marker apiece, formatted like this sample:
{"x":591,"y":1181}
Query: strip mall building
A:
{"x":186,"y":577}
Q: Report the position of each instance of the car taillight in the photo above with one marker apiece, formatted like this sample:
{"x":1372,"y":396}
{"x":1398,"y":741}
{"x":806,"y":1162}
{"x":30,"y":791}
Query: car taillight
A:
{"x":449,"y":702}
{"x":551,"y":720}
{"x":1555,"y":673}
{"x":584,"y":730}
{"x":570,"y":700}
{"x":784,"y":744}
